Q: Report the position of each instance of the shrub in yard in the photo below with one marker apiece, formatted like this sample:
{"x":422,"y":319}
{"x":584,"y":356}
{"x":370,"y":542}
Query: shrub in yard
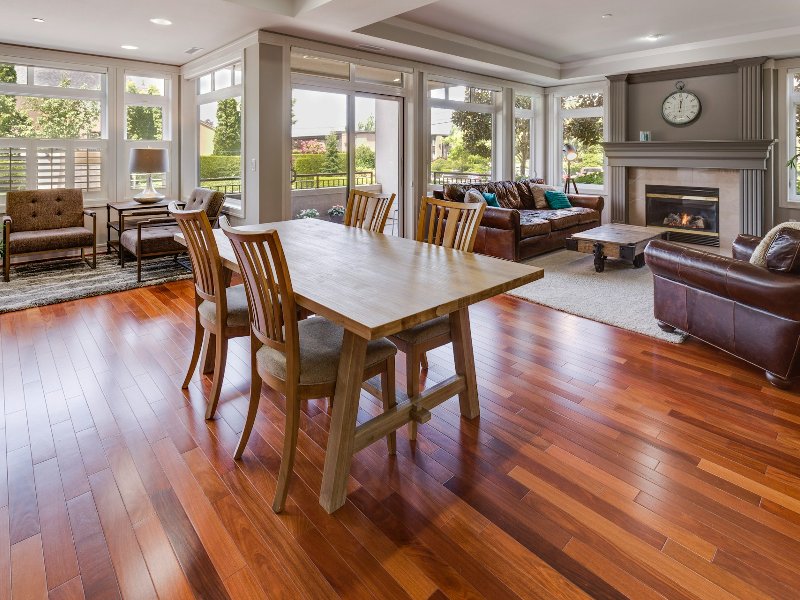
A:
{"x":214,"y":166}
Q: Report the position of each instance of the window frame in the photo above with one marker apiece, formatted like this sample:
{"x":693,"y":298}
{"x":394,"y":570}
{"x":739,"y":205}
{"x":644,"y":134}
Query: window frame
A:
{"x":559,"y":114}
{"x":231,"y":206}
{"x":494,"y":109}
{"x":33,"y":146}
{"x":528,"y":114}
{"x":790,"y":114}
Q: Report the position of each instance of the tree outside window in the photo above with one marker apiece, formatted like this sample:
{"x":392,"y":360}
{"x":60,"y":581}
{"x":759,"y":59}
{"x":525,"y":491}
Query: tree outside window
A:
{"x":584,"y":130}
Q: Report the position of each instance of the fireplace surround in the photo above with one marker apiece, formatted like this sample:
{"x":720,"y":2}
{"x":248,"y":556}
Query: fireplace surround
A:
{"x":691,"y":214}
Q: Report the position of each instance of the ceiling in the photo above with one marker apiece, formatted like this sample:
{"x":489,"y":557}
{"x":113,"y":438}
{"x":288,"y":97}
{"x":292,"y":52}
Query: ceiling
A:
{"x":576,"y":30}
{"x":535,"y":41}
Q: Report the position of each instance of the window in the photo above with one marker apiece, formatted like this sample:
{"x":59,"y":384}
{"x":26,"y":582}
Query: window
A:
{"x":146,"y":115}
{"x":219,"y":114}
{"x":523,"y":134}
{"x":794,"y":135}
{"x":52,"y":128}
{"x":461,"y":133}
{"x":581,"y":125}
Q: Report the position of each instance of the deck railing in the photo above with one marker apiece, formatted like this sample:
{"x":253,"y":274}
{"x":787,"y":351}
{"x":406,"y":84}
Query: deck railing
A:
{"x":314,"y":181}
{"x":445,"y":177}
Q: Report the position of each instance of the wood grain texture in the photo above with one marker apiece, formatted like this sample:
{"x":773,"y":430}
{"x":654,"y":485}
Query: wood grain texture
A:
{"x":603,"y":464}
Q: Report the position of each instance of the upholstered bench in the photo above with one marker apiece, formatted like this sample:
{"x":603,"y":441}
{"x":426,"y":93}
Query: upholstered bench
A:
{"x":39,"y":221}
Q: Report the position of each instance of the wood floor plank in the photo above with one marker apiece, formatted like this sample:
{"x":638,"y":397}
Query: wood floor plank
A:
{"x":604,"y":464}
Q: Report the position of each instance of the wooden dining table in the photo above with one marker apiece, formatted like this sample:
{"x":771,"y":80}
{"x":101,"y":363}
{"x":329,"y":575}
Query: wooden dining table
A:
{"x":375,"y":285}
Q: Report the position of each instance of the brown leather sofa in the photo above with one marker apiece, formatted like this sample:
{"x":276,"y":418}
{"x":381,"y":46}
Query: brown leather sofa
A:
{"x":746,"y":310}
{"x":518,"y":230}
{"x":39,"y":221}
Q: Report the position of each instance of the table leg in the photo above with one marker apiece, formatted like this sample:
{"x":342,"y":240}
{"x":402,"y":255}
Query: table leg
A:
{"x":108,"y":229}
{"x":343,"y":422}
{"x":461,"y":335}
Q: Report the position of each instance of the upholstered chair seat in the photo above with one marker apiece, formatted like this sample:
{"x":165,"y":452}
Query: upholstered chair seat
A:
{"x":320,"y":349}
{"x":237,"y":308}
{"x":154,"y":240}
{"x":425,"y":331}
{"x":22,"y":242}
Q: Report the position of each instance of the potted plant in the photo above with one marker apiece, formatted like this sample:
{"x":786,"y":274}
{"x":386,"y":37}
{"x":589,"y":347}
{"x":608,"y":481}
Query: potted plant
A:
{"x":308,"y":213}
{"x":336,"y":213}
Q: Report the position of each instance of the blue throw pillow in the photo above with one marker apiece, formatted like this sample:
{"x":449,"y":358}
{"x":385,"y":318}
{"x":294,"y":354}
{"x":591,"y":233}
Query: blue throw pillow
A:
{"x":491,"y":199}
{"x":557,"y":199}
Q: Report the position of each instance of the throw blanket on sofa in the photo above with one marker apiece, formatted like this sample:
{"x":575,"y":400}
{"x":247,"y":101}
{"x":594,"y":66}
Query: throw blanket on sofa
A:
{"x":759,"y":257}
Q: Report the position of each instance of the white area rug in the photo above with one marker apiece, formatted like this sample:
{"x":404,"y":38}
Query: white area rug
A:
{"x":620,"y":296}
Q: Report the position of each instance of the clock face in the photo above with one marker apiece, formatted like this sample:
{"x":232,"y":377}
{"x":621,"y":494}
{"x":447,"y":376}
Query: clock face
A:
{"x":680,"y":108}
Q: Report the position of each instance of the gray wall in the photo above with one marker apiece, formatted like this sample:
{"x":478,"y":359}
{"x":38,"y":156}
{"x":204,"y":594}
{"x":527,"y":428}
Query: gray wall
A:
{"x":719,"y":119}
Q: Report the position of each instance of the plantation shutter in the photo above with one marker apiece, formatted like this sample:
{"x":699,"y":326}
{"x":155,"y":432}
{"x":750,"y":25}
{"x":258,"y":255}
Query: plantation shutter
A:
{"x":51,"y":168}
{"x":13,"y":169}
{"x":88,"y":169}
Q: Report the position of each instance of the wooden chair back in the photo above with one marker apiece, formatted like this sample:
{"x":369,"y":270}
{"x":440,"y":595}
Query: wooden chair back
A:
{"x":367,"y":210}
{"x":270,"y":297}
{"x":207,"y":266}
{"x":449,"y":224}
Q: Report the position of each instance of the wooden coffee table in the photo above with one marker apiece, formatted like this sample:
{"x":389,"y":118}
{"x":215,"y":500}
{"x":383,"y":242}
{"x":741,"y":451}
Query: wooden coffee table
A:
{"x":615,"y":240}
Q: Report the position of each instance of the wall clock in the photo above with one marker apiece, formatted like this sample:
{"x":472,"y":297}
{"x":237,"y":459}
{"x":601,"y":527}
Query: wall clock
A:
{"x":681,"y":107}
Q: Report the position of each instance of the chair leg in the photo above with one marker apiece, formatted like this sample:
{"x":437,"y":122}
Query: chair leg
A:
{"x":289,"y":449}
{"x":219,"y":373}
{"x":255,"y":396}
{"x":412,"y":385}
{"x":389,"y":399}
{"x":198,"y":346}
{"x":423,"y":359}
{"x":139,"y":269}
{"x":6,"y":265}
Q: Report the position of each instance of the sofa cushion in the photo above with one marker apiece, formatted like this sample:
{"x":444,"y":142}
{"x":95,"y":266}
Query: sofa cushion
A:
{"x":783,"y":255}
{"x":563,"y":218}
{"x":557,"y":199}
{"x":35,"y":210}
{"x":507,"y":194}
{"x":539,"y":199}
{"x":532,"y":225}
{"x":154,"y":240}
{"x":50,"y":239}
{"x":474,"y":196}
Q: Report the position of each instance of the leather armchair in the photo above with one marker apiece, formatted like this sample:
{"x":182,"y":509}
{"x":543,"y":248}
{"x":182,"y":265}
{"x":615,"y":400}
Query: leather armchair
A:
{"x":746,"y":310}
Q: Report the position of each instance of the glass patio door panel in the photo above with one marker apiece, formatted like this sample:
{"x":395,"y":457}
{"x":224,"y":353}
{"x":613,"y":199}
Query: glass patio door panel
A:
{"x":377,"y":151}
{"x":320,"y":164}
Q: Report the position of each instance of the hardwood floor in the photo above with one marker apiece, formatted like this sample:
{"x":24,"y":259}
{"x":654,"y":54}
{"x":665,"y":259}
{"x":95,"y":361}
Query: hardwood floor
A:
{"x":603,"y":464}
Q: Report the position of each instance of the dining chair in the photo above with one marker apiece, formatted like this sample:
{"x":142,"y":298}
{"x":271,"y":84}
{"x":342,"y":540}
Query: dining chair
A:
{"x":220,"y":309}
{"x":449,"y":225}
{"x":367,"y":210}
{"x":296,"y":358}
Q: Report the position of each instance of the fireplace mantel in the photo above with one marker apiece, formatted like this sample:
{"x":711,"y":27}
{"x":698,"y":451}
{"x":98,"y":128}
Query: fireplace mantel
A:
{"x":711,"y":154}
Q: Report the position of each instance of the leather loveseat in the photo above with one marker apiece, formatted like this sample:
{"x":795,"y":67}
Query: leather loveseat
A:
{"x":518,"y":230}
{"x":38,"y":221}
{"x":744,"y":309}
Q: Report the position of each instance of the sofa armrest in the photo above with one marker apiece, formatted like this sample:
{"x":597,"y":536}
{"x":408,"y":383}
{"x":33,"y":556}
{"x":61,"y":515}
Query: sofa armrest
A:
{"x":500,"y":218}
{"x":744,"y":246}
{"x":157,"y":222}
{"x":737,"y":280}
{"x":5,"y":220}
{"x":586,"y":201}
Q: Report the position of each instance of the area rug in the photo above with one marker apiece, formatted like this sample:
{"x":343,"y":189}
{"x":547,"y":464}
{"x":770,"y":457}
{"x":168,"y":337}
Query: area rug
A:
{"x":621,"y":296}
{"x":42,"y":283}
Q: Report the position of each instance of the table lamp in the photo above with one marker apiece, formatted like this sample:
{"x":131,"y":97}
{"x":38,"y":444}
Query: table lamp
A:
{"x":148,"y":161}
{"x":570,"y":153}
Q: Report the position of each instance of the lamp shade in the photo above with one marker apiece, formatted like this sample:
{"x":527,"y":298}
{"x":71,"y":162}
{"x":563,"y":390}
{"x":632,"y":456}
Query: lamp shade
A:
{"x":149,"y":160}
{"x":570,"y":152}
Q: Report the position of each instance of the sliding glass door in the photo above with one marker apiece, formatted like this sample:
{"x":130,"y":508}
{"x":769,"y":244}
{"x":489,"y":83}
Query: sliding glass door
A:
{"x":341,"y":141}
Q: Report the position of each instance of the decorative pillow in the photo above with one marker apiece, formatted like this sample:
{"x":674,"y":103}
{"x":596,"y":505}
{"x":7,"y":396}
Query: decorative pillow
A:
{"x":783,"y":255}
{"x":759,"y":256}
{"x":538,"y":191}
{"x":491,"y":199}
{"x":556,"y":200}
{"x":474,"y":196}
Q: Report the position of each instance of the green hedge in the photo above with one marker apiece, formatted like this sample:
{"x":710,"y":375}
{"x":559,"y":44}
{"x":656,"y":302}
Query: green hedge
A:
{"x":312,"y":163}
{"x":215,"y":165}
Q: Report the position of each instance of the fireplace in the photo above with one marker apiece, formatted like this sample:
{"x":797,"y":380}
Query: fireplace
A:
{"x":691,"y":214}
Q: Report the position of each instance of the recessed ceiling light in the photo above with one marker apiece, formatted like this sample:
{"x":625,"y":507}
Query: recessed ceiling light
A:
{"x":653,"y":37}
{"x":38,"y":20}
{"x":160,"y":21}
{"x":129,"y":47}
{"x":606,"y":16}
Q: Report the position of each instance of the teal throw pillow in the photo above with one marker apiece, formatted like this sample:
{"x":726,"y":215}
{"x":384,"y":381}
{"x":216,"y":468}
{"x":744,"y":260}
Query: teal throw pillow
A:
{"x":557,"y":199}
{"x":491,"y":199}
